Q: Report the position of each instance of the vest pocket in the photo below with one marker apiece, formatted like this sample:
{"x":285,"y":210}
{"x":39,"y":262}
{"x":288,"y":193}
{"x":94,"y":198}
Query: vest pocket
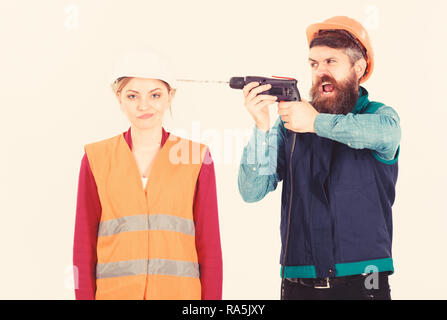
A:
{"x":361,"y":227}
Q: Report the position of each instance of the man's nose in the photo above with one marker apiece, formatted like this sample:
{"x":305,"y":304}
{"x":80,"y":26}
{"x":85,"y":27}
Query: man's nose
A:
{"x":322,"y":71}
{"x":323,"y":75}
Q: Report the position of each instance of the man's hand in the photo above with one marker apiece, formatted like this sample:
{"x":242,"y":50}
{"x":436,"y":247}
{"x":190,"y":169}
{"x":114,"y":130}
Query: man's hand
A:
{"x":257,"y":104}
{"x":299,"y":116}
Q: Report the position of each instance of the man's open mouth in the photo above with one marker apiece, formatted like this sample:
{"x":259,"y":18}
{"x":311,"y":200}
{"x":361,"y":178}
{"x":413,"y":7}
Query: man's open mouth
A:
{"x":327,"y":88}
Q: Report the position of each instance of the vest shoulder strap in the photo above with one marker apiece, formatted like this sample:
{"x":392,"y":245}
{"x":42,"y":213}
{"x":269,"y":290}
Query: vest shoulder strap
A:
{"x":98,"y":152}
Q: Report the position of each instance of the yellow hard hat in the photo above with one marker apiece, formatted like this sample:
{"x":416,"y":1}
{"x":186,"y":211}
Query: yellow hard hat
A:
{"x":355,"y":29}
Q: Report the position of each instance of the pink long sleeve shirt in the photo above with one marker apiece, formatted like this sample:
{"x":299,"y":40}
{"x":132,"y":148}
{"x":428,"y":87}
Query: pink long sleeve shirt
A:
{"x":207,"y":236}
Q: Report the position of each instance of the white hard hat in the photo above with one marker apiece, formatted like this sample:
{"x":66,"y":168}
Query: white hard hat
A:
{"x":143,"y":64}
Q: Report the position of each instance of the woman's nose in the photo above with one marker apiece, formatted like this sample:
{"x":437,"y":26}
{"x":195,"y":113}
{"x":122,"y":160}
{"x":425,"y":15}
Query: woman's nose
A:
{"x":143,"y":105}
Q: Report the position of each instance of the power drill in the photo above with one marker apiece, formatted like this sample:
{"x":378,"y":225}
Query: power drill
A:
{"x":285,"y":89}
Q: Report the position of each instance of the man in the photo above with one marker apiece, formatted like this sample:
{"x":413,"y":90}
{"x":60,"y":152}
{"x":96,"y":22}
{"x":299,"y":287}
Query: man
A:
{"x":337,"y":158}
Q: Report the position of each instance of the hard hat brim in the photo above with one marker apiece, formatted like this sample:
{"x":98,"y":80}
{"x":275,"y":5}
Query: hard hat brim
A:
{"x":313,"y":29}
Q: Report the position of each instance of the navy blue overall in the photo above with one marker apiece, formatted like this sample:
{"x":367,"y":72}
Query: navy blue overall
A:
{"x":340,"y":206}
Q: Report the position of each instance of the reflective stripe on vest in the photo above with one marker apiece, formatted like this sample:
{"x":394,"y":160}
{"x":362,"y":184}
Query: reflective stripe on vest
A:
{"x":151,"y":266}
{"x":146,"y":222}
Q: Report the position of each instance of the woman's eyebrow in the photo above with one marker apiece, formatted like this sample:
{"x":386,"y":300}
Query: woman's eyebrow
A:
{"x":138,"y":92}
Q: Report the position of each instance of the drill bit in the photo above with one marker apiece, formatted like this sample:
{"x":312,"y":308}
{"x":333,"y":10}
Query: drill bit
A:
{"x":203,"y":81}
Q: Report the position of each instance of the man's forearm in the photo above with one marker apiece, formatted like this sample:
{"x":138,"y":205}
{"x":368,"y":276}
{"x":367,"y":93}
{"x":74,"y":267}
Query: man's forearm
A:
{"x":379,"y":131}
{"x":257,"y":171}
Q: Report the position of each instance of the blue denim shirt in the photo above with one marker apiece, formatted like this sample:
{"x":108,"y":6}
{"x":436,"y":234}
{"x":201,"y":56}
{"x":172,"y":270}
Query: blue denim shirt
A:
{"x":378,"y":131}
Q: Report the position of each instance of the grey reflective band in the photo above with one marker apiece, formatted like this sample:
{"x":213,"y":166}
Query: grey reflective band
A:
{"x":146,"y":222}
{"x":172,"y":223}
{"x":173,"y":268}
{"x":151,"y":266}
{"x":121,"y":269}
{"x":124,"y":224}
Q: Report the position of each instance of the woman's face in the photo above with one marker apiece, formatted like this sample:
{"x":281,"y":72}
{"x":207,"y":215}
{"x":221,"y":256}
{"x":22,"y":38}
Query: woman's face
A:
{"x":144,"y":101}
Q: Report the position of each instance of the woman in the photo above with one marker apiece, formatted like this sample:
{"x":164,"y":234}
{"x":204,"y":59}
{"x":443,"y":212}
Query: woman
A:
{"x":146,"y":219}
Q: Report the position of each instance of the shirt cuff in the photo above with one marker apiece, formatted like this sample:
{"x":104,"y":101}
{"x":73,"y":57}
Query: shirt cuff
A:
{"x":262,"y":137}
{"x":259,"y":141}
{"x":256,"y":151}
{"x":323,"y":124}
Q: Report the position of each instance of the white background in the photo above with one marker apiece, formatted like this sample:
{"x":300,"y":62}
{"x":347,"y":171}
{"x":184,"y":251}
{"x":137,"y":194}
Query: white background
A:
{"x":55,"y":98}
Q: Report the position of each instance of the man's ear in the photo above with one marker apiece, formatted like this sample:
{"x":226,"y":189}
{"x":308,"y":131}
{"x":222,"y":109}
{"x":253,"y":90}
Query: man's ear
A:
{"x":360,"y":67}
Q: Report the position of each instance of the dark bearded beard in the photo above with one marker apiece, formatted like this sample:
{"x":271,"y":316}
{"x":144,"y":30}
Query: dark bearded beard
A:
{"x":343,"y":99}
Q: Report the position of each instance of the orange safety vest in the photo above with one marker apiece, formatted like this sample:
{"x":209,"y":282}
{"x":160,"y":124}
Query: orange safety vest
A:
{"x":146,"y":236}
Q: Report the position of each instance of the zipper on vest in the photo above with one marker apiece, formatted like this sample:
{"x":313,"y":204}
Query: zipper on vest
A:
{"x":288,"y":216}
